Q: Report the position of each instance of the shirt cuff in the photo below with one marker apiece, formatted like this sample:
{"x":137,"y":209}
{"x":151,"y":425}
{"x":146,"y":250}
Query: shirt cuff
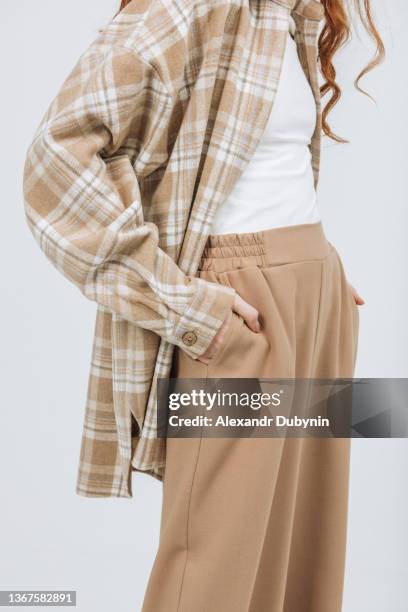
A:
{"x":196,"y":328}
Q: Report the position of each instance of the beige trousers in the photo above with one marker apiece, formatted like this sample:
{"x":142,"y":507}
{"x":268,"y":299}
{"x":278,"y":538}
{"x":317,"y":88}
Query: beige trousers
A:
{"x":259,"y":524}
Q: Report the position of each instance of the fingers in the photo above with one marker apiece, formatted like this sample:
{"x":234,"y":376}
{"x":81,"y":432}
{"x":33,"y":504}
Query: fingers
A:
{"x":248,"y":313}
{"x":251,"y":318}
{"x":217,"y":341}
{"x":357,"y":297}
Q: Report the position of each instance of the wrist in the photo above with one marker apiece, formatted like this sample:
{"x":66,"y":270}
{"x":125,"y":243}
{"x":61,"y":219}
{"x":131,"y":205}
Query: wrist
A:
{"x":196,"y":328}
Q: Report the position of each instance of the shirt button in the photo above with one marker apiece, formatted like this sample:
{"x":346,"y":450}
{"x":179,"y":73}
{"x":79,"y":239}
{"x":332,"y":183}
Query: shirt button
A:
{"x":189,"y":338}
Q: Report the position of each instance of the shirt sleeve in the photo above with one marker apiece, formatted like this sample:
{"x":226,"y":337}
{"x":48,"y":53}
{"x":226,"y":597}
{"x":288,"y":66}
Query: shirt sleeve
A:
{"x":83,"y":202}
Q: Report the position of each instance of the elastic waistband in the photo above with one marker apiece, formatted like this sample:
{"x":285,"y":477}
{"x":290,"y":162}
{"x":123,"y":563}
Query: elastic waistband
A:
{"x":270,"y":247}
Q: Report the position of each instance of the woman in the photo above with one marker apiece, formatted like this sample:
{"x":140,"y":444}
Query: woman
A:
{"x":173,"y":180}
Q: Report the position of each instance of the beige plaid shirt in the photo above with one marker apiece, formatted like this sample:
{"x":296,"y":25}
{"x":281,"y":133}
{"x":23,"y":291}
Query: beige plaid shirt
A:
{"x":144,"y":140}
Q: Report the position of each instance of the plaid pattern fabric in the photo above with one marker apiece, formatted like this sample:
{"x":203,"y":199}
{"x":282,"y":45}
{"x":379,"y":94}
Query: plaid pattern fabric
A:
{"x":144,"y":140}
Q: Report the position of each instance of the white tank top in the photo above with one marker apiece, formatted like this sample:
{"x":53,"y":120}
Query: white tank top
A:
{"x":276,"y":188}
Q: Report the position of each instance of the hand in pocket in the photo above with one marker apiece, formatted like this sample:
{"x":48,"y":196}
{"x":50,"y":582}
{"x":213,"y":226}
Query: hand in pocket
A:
{"x":251,"y":318}
{"x":357,"y":297}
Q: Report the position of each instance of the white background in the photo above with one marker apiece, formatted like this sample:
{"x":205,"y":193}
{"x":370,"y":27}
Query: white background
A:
{"x":50,"y":537}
